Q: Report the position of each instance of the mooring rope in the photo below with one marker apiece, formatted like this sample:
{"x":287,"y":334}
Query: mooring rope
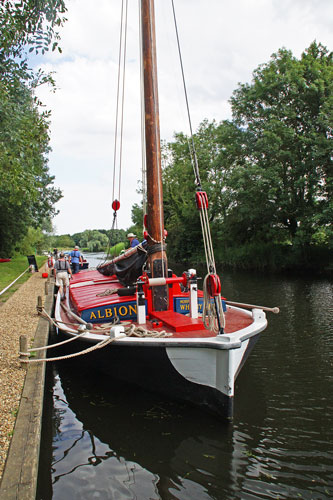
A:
{"x":101,"y":344}
{"x":130,"y":331}
{"x":45,"y":347}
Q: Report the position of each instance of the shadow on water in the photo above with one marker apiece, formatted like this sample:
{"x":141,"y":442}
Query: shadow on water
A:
{"x":105,"y":440}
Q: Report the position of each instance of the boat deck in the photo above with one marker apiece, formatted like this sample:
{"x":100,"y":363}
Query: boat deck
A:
{"x":93,"y":297}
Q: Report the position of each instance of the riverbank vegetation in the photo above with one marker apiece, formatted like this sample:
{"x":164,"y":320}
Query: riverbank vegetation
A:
{"x":9,"y":271}
{"x":27,"y":194}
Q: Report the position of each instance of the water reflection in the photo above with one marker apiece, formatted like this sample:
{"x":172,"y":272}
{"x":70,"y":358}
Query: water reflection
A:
{"x":159,"y":444}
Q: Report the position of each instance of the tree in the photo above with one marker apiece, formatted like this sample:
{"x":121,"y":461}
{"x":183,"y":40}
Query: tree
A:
{"x":286,"y":115}
{"x":30,"y":23}
{"x":27,"y":196}
{"x":182,"y":219}
{"x":32,"y":242}
{"x":93,"y":240}
{"x":267,"y":173}
{"x":64,"y":241}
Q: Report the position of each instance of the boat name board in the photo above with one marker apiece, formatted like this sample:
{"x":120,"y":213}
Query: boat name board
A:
{"x":182,"y":306}
{"x":128,"y":310}
{"x":106,"y":313}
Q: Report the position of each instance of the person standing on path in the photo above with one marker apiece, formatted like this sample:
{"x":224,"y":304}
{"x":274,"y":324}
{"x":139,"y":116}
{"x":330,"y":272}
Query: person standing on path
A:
{"x":75,"y":259}
{"x":61,"y":271}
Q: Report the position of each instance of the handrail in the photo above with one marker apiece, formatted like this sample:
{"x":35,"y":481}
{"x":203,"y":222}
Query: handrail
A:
{"x":12,"y":283}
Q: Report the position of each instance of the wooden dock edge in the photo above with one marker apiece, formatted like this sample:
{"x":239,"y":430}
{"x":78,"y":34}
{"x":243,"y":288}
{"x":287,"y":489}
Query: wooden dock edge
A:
{"x":19,"y":480}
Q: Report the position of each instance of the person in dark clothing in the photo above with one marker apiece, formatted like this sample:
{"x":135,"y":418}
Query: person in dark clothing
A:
{"x":61,"y":271}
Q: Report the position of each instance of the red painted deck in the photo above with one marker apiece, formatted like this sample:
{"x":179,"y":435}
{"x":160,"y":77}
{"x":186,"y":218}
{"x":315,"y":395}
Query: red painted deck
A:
{"x":86,"y":287}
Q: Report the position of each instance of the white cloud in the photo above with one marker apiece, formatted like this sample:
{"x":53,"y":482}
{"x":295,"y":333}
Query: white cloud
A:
{"x":222,"y":43}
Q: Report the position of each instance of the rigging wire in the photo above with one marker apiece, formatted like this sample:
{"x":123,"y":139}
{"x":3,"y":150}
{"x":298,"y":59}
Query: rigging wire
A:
{"x":120,"y":97}
{"x":117,"y":102}
{"x":192,"y":149}
{"x":123,"y":101}
{"x":119,"y":117}
{"x":213,"y":319}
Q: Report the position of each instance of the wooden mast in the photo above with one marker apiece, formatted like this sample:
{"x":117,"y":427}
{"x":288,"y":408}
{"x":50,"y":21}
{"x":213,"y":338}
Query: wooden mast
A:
{"x":157,"y":258}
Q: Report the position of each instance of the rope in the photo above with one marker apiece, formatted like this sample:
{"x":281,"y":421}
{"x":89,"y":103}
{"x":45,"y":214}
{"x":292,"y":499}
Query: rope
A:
{"x":208,"y":244}
{"x":44,"y":348}
{"x":139,"y":331}
{"x":120,"y":94}
{"x":101,"y":344}
{"x":123,"y":101}
{"x":203,"y":213}
{"x":209,"y":313}
{"x":55,"y":323}
{"x":119,"y":117}
{"x":108,"y":291}
{"x":130,"y":331}
{"x":210,"y":316}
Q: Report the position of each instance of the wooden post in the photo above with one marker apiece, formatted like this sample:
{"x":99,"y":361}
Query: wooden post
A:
{"x":39,"y":304}
{"x":23,"y":349}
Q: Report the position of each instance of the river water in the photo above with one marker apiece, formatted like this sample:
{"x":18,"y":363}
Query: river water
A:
{"x":102,"y":440}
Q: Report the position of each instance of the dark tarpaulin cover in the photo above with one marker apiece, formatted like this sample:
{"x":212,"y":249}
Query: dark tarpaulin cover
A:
{"x":127,"y":268}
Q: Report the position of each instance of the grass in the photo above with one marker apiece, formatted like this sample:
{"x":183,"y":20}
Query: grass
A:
{"x":9,"y":271}
{"x":116,"y":249}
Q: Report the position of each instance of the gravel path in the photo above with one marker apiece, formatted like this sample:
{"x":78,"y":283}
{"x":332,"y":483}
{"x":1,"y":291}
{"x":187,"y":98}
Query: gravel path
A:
{"x":18,"y":316}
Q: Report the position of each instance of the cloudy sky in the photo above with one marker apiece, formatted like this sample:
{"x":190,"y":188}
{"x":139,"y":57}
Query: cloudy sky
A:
{"x":222,"y":43}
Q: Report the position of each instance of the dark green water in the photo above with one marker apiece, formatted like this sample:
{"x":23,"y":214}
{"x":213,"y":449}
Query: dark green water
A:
{"x":106,"y":441}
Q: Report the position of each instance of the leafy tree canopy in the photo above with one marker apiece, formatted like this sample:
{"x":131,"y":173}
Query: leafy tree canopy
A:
{"x":30,"y":23}
{"x":27,"y":195}
{"x":268,"y":171}
{"x":286,"y":115}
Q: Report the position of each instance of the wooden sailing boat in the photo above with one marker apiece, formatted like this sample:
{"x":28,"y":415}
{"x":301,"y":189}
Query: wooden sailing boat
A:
{"x":152,"y":332}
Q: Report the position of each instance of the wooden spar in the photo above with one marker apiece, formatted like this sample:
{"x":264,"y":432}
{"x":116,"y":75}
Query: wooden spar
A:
{"x":155,"y":221}
{"x":274,"y":310}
